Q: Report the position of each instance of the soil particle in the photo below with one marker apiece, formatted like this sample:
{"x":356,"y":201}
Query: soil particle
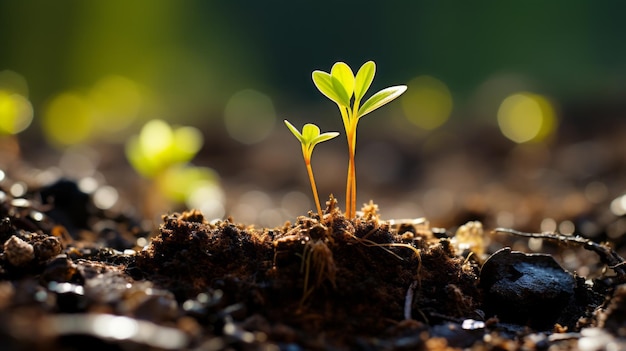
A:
{"x":18,"y":252}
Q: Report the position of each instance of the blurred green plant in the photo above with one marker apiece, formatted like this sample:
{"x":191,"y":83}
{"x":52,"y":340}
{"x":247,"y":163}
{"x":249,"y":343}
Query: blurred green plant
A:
{"x":346,"y":90}
{"x":310,"y":137}
{"x":162,"y":153}
{"x":159,"y":146}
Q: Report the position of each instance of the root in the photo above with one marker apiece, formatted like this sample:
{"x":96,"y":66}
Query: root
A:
{"x":317,"y":257}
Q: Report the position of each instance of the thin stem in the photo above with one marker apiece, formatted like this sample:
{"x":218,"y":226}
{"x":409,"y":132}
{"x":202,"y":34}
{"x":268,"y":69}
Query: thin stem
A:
{"x":353,"y":125}
{"x":351,"y":182}
{"x":352,"y":176}
{"x":313,"y":187}
{"x":347,"y":124}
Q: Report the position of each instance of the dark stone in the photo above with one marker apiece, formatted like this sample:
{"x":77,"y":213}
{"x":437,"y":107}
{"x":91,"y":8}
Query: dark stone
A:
{"x":527,"y":289}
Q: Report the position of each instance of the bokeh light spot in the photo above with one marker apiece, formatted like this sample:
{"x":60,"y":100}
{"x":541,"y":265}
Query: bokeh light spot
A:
{"x":105,"y":197}
{"x":427,"y":103}
{"x":249,"y":116}
{"x":67,"y":120}
{"x":16,"y":113}
{"x":116,"y":102}
{"x":13,"y":82}
{"x":525,"y":117}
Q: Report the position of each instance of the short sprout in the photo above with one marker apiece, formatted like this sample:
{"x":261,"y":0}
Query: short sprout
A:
{"x":310,"y":137}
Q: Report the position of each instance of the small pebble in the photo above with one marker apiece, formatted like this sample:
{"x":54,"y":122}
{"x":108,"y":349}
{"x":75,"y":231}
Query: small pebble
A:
{"x":47,"y":248}
{"x":18,"y":252}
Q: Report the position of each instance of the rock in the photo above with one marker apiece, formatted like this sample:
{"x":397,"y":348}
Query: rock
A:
{"x":527,"y":289}
{"x":18,"y":252}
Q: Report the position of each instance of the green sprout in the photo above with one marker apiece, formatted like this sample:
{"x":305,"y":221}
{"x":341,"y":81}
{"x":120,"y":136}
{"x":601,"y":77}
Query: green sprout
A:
{"x":310,"y":137}
{"x":342,"y":87}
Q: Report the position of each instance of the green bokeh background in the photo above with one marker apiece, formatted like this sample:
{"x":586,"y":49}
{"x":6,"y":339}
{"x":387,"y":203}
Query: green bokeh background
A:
{"x":196,"y":54}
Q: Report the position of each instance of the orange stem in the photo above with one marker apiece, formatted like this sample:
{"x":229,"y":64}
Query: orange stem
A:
{"x":351,"y":179}
{"x":313,"y":187}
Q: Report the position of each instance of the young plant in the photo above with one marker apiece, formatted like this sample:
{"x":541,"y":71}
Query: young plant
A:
{"x":346,"y":90}
{"x":310,"y":137}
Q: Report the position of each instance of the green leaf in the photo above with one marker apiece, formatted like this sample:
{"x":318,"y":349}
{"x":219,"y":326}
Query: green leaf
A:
{"x":364,"y":78}
{"x":295,"y":131}
{"x":310,"y":132}
{"x":324,"y":83}
{"x":345,"y":77}
{"x":344,"y":98}
{"x":186,"y":143}
{"x":324,"y":136}
{"x":381,"y":98}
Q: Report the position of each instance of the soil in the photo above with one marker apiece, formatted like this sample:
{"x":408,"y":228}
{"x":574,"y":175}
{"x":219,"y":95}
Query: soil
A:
{"x":74,"y":276}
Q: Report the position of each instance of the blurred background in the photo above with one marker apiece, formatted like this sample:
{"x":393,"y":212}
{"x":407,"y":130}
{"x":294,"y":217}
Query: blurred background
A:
{"x":514,"y":113}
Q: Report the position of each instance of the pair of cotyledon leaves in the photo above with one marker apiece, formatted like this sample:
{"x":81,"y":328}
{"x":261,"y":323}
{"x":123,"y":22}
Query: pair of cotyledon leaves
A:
{"x":340,"y":85}
{"x":309,"y":137}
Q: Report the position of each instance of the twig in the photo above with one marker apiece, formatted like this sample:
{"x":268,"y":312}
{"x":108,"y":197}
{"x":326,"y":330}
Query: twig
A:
{"x":408,"y":300}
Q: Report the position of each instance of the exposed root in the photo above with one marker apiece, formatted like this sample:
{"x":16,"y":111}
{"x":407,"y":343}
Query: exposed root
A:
{"x":318,"y":258}
{"x":417,"y":251}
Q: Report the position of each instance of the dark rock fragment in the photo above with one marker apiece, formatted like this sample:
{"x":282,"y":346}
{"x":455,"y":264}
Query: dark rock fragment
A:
{"x":527,"y":289}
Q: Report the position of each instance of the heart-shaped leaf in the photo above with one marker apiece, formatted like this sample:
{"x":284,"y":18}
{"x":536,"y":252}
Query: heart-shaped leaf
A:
{"x":345,"y":77}
{"x":363,"y":80}
{"x":310,"y":132}
{"x":344,"y":98}
{"x":381,"y":98}
{"x":324,"y":83}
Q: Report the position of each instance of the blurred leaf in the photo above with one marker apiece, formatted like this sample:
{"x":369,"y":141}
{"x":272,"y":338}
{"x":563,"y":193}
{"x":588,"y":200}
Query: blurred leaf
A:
{"x":179,"y":182}
{"x":159,"y":147}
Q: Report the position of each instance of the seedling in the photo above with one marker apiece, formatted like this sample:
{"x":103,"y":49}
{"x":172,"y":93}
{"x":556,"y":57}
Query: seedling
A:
{"x":310,"y":137}
{"x":346,"y":90}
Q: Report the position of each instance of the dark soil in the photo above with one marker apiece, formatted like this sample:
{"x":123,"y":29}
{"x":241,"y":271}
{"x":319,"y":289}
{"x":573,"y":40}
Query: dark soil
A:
{"x":72,"y":275}
{"x":75,"y":277}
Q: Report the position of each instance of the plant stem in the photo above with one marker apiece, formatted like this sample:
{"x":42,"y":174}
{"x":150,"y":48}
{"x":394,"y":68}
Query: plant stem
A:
{"x":351,"y":179}
{"x":309,"y":169}
{"x":353,"y":172}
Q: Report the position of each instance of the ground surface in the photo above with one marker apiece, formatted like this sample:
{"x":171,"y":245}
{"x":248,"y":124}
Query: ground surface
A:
{"x":73,"y":275}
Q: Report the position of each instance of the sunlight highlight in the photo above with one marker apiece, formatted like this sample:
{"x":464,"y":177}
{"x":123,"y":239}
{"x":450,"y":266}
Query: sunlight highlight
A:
{"x":427,"y":103}
{"x":526,"y":117}
{"x":115,"y":101}
{"x":16,"y":113}
{"x":67,"y":120}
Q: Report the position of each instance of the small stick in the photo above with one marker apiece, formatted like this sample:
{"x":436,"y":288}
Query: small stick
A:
{"x":408,"y":300}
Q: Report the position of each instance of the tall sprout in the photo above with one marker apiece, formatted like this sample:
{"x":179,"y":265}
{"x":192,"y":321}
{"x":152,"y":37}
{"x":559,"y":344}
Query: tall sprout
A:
{"x":347,"y":90}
